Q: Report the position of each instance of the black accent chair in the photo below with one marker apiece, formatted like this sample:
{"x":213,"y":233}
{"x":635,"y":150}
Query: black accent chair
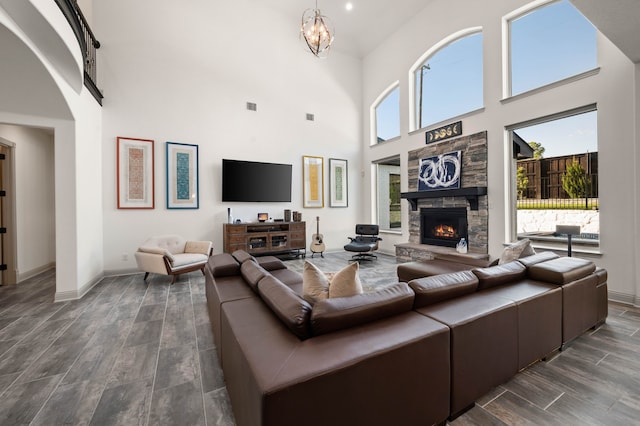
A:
{"x":364,"y":243}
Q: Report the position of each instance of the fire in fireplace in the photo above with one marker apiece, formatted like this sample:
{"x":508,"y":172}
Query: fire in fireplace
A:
{"x":443,"y":227}
{"x":445,"y":231}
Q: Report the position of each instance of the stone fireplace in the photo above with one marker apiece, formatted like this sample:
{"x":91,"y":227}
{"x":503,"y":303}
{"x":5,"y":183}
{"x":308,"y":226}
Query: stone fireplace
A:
{"x":470,"y":201}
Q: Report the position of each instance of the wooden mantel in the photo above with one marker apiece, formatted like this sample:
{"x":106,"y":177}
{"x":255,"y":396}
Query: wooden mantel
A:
{"x":470,"y":193}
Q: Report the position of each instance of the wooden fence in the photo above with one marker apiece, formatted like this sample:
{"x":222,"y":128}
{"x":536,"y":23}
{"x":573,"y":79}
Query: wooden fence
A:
{"x":545,"y":175}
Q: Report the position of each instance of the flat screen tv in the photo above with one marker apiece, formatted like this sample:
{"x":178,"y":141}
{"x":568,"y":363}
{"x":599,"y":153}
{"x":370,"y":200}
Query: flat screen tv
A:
{"x":255,"y":182}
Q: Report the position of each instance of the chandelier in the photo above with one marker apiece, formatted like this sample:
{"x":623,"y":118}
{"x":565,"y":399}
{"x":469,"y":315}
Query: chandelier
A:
{"x":317,"y":31}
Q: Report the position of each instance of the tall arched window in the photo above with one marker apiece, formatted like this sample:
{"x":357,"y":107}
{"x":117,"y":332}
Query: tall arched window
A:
{"x":548,"y":44}
{"x":448,"y":80}
{"x":385,"y":115}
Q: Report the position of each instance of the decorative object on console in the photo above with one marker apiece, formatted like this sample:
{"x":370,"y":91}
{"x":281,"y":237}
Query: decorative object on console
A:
{"x":338,"y":183}
{"x":182,"y":176}
{"x":287,"y":215}
{"x":461,"y":247}
{"x":135,"y":174}
{"x":313,"y":181}
{"x":444,"y":132}
{"x":440,"y":172}
{"x":262,"y":217}
{"x":317,"y":243}
{"x":317,"y":32}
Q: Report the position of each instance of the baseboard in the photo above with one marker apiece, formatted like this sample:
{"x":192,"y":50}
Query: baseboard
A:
{"x":119,"y":272}
{"x":33,"y":272}
{"x":64,"y":296}
{"x":624,"y":298}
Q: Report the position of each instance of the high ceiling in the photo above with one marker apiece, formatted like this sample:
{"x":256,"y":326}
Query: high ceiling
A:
{"x":618,"y":20}
{"x":353,"y":28}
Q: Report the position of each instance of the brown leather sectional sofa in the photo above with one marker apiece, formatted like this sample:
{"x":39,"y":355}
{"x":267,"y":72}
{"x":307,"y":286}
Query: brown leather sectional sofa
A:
{"x":412,"y":353}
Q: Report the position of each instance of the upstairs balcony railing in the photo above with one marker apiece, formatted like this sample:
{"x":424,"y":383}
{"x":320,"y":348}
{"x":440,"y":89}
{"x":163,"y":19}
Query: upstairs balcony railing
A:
{"x":88,"y":43}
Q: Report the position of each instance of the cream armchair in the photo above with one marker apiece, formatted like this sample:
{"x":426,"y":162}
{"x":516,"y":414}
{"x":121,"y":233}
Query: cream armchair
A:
{"x":172,"y":255}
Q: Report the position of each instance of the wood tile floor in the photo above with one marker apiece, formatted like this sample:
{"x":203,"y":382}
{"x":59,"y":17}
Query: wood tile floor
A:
{"x":141,"y":353}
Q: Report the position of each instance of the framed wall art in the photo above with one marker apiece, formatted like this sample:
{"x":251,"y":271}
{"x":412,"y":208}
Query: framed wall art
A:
{"x":182,"y":176}
{"x":135,"y":173}
{"x":440,"y":172}
{"x":338,"y":183}
{"x":313,"y":181}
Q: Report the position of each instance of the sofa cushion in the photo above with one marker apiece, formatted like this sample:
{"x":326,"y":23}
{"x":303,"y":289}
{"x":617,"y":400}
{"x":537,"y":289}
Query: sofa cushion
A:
{"x":499,"y":274}
{"x":202,"y":247}
{"x":602,"y":275}
{"x":481,"y":261}
{"x":186,"y":259}
{"x":242,"y":256}
{"x":270,"y":263}
{"x":292,"y":309}
{"x":172,"y":243}
{"x":289,"y":278}
{"x":157,"y":250}
{"x":252,"y":274}
{"x":516,"y":250}
{"x":418,"y":269}
{"x":543,"y":256}
{"x":344,"y":312}
{"x":345,"y":282}
{"x":562,"y":270}
{"x":435,"y":289}
{"x":223,"y":265}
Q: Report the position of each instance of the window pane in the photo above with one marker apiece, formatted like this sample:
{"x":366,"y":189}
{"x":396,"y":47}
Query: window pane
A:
{"x":559,"y":186}
{"x":549,"y":44}
{"x":388,"y":196}
{"x":388,"y":116}
{"x":451,"y":81}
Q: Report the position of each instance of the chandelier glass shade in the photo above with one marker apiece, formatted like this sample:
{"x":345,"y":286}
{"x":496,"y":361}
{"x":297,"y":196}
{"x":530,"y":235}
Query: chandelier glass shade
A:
{"x":317,"y":31}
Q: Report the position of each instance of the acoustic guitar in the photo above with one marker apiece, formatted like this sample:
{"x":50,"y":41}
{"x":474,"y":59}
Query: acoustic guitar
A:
{"x":317,"y":246}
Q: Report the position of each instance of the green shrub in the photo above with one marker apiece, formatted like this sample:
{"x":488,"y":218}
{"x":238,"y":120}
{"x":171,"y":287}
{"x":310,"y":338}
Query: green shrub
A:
{"x":522,"y":181}
{"x":574,"y":181}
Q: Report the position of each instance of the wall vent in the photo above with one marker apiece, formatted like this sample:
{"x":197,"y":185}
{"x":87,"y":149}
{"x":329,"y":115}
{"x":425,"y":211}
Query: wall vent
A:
{"x":310,"y":117}
{"x":252,"y":106}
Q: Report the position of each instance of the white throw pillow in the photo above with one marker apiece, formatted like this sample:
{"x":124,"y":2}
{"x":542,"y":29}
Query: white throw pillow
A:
{"x":516,"y":250}
{"x":315,"y":284}
{"x":318,"y":285}
{"x":346,"y":282}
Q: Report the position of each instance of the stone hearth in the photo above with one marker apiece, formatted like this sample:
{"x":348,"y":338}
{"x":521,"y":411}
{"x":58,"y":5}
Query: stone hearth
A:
{"x":473,"y":175}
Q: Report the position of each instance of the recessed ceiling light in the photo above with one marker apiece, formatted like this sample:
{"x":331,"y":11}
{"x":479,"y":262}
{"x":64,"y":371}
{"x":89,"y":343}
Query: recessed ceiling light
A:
{"x":349,"y":6}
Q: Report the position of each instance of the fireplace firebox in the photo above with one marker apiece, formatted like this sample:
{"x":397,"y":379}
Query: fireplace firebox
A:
{"x":443,"y":226}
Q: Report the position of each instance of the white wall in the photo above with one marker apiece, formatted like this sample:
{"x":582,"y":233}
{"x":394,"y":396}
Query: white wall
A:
{"x":88,"y":186}
{"x":633,"y":250}
{"x":46,"y":99}
{"x":185,"y":76}
{"x":610,"y":89}
{"x":35,"y":200}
